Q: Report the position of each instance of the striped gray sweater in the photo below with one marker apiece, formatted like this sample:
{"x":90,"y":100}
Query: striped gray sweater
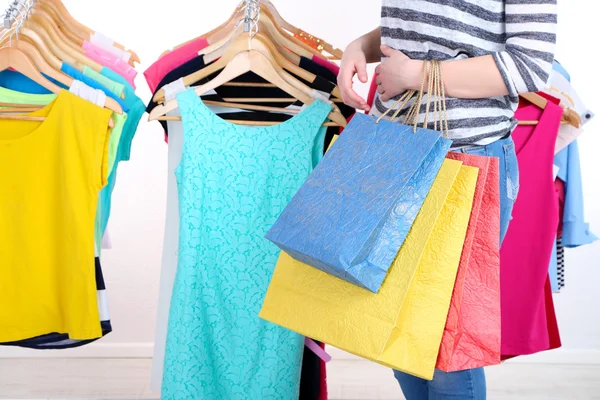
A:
{"x":520,"y":34}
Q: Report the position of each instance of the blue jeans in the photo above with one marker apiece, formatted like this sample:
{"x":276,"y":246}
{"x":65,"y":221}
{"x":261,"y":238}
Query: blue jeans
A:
{"x":470,"y":384}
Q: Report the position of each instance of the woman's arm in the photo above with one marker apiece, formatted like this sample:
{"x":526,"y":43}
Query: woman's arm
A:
{"x":370,"y":44}
{"x":361,"y":51}
{"x":523,"y":66}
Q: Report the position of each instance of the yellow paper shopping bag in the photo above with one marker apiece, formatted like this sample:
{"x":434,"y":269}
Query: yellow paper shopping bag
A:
{"x":402,"y":325}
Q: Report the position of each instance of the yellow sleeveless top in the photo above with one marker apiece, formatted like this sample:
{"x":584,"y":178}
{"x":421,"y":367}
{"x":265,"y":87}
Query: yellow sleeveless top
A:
{"x":51,"y":172}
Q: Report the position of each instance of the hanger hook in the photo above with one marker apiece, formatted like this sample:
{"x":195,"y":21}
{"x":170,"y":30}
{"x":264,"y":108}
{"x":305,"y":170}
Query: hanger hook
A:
{"x":23,"y":11}
{"x":8,"y":15}
{"x":20,"y":22}
{"x":250,"y":20}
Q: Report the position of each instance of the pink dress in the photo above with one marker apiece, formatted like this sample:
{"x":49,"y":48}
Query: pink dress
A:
{"x":528,"y":319}
{"x":111,"y":61}
{"x":157,"y":71}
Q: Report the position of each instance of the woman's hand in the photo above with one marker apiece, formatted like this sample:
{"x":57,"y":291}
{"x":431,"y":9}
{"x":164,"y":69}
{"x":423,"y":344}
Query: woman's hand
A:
{"x":397,"y":74}
{"x":354,"y":62}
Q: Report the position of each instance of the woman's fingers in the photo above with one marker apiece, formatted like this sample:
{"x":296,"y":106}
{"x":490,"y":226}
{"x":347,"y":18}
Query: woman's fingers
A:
{"x":345,"y":82}
{"x":361,"y":69}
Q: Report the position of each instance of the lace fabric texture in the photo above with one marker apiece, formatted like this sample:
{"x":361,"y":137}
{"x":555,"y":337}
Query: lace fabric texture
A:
{"x":233,"y":182}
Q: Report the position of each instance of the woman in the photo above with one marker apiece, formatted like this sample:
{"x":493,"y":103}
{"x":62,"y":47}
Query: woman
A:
{"x":492,"y":50}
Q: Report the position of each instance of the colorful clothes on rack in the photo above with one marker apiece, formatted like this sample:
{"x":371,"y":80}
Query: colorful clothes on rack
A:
{"x":136,"y":111}
{"x":110,"y":60}
{"x":108,"y":44}
{"x":233,"y":183}
{"x":16,"y":81}
{"x":527,"y":308}
{"x":324,"y":82}
{"x":50,"y":197}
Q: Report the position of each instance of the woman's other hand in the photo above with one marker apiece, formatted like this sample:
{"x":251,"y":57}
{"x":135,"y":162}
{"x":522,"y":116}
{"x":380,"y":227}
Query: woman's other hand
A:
{"x":397,"y":74}
{"x":354,"y":62}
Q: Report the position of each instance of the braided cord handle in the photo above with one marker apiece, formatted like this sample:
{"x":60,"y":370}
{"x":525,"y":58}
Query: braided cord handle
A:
{"x":435,"y":89}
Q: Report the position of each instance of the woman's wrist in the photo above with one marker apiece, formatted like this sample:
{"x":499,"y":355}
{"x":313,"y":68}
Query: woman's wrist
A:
{"x":414,"y":74}
{"x":369,"y":44}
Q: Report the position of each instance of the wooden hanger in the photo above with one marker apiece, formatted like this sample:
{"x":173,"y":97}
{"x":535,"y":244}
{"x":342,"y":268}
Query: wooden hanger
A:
{"x":40,"y":63}
{"x":569,"y":116}
{"x":62,"y":14}
{"x":278,"y":52}
{"x":247,"y":60}
{"x":216,"y":34}
{"x":285,"y":28}
{"x":44,"y":19}
{"x":268,"y":6}
{"x":272,"y":17}
{"x":277,"y":27}
{"x":32,"y":37}
{"x":64,"y":30}
{"x":65,"y":27}
{"x":19,"y":61}
{"x":238,"y":44}
{"x":58,"y":7}
{"x":16,"y":59}
{"x":42,"y":66}
{"x":13,"y":111}
{"x":41,"y":36}
{"x":268,"y":49}
{"x":267,"y":27}
{"x":215,"y":50}
{"x":74,"y":52}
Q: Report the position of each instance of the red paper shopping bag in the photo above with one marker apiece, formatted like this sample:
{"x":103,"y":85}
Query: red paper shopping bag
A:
{"x":472,"y":333}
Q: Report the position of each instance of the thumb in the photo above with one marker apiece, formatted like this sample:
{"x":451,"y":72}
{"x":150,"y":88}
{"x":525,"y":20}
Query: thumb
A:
{"x":361,"y":71}
{"x":387,"y":51}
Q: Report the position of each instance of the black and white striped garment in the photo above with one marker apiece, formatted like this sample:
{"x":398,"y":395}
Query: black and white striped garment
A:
{"x":520,"y":34}
{"x":560,"y":263}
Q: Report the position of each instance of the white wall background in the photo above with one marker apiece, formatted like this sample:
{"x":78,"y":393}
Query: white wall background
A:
{"x":132,"y":268}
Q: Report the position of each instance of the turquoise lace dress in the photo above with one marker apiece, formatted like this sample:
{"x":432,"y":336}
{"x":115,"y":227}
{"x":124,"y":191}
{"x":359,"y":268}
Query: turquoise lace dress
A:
{"x":234,"y":181}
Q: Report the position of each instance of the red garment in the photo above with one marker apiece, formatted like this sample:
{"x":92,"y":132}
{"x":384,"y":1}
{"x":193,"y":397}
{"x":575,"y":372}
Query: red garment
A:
{"x":157,"y":71}
{"x":553,"y":332}
{"x":372,"y":91}
{"x":559,"y":185}
{"x":323,"y":395}
{"x":528,"y":318}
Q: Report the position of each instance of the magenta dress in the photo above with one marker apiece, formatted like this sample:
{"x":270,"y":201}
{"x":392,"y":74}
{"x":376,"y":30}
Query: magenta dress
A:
{"x":528,"y":318}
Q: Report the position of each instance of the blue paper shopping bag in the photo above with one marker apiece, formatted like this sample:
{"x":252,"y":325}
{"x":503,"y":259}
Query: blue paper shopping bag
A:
{"x":352,"y":215}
